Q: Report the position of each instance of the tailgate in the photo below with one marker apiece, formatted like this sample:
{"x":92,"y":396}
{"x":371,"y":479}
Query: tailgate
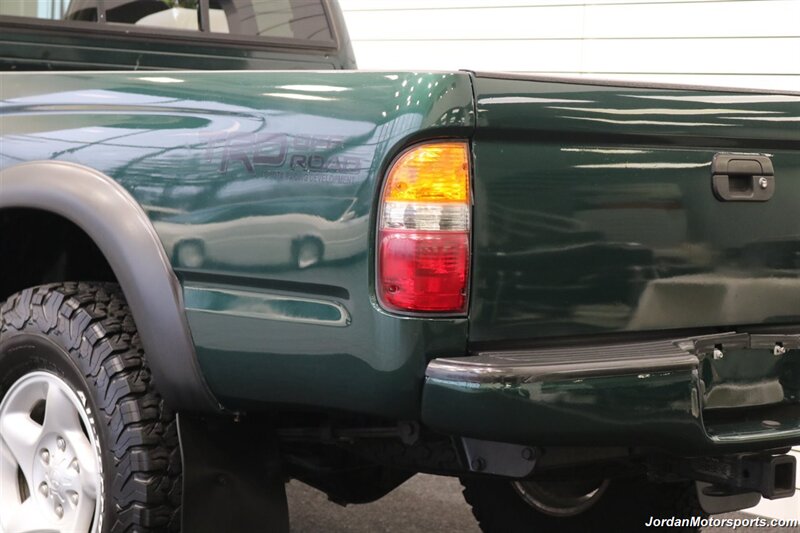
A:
{"x":595,"y":213}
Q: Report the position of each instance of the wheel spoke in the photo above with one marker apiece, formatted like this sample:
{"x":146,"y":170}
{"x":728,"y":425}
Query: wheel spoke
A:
{"x":20,"y":434}
{"x":60,"y":415}
{"x":29,"y":518}
{"x":84,"y":512}
{"x":87,"y":463}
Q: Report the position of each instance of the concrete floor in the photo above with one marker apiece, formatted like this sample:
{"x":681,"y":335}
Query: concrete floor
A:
{"x":424,"y":504}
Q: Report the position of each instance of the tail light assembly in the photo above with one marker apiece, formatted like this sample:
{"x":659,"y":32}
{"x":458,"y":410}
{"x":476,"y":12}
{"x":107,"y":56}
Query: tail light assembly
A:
{"x":423,"y":252}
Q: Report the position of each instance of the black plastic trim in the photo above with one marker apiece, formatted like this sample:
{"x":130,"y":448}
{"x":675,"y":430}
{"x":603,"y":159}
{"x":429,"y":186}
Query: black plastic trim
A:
{"x":738,"y":177}
{"x":261,"y":283}
{"x":119,"y":227}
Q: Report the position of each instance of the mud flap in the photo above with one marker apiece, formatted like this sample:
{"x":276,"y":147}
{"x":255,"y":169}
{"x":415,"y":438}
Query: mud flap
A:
{"x":232,"y":478}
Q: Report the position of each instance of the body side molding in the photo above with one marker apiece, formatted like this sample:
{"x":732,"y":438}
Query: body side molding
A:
{"x":119,"y":227}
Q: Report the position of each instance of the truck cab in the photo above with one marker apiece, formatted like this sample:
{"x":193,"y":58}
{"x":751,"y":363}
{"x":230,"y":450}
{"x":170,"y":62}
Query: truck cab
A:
{"x":186,"y":34}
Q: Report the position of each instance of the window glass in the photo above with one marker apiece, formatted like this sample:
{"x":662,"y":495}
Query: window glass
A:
{"x":171,"y":14}
{"x":50,"y":9}
{"x":292,"y":19}
{"x":287,"y":19}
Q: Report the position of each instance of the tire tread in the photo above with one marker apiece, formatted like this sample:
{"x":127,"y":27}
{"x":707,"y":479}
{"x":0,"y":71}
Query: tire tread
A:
{"x":93,"y":322}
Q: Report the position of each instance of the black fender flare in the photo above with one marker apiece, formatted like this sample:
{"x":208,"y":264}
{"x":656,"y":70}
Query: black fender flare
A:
{"x":119,"y":227}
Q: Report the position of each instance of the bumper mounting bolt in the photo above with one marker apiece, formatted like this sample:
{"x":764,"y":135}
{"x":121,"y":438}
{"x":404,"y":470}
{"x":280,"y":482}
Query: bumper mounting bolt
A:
{"x":528,"y":454}
{"x":478,"y":464}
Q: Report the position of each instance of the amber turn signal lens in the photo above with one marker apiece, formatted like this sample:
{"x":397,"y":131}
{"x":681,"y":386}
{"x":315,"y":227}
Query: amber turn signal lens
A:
{"x":435,"y":173}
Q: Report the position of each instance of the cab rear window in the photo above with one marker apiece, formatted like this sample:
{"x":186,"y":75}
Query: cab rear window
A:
{"x":298,"y":20}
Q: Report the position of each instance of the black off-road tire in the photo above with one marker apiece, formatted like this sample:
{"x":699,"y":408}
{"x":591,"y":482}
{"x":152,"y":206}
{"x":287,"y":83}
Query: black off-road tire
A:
{"x":625,"y":507}
{"x":85,"y":334}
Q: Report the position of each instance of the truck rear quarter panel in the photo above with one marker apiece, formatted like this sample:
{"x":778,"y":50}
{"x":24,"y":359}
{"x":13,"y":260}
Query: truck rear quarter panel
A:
{"x":261,"y":187}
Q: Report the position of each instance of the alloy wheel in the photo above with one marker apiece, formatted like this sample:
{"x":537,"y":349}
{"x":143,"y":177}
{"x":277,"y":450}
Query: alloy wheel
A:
{"x":50,"y":467}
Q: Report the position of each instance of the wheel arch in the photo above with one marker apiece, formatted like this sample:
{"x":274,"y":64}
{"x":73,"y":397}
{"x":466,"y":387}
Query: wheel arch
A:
{"x":117,"y":225}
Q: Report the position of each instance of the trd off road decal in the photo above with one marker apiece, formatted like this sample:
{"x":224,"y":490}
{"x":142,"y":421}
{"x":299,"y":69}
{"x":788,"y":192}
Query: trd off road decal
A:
{"x":285,"y":156}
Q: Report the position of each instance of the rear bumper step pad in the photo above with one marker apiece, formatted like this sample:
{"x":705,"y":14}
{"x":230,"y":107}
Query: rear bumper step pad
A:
{"x":632,"y":394}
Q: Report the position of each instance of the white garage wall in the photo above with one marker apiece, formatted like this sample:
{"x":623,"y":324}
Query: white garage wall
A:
{"x":746,"y":43}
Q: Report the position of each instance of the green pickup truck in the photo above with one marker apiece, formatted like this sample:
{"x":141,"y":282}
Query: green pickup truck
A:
{"x":228,"y":259}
